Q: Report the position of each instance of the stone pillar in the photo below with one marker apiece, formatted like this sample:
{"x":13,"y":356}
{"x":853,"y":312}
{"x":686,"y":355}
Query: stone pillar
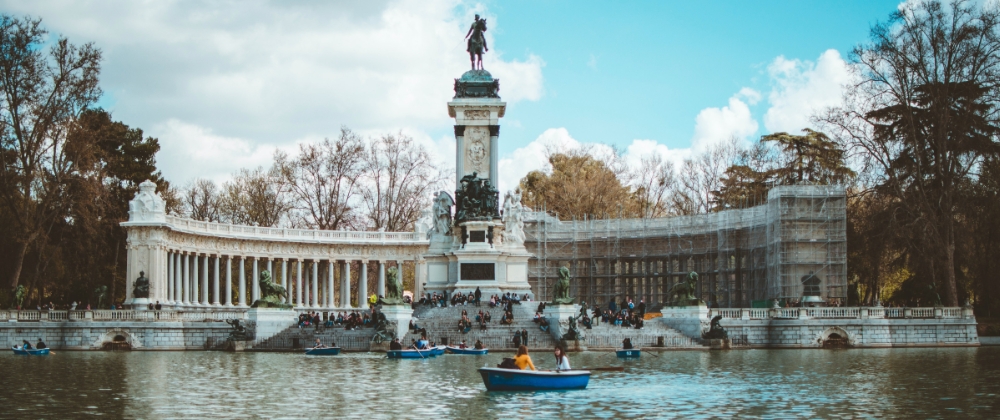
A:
{"x":284,"y":281}
{"x":175,"y":298}
{"x":229,"y":280}
{"x":270,"y":269}
{"x":243,"y":282}
{"x":345,"y":285}
{"x":170,"y":279}
{"x":255,"y":281}
{"x":298,"y":283}
{"x":494,"y":141}
{"x":330,"y":302}
{"x":380,"y":288}
{"x":186,"y":288}
{"x":215,"y":283}
{"x":315,"y":284}
{"x":194,"y":280}
{"x":363,"y":285}
{"x":419,"y":277}
{"x":204,"y":280}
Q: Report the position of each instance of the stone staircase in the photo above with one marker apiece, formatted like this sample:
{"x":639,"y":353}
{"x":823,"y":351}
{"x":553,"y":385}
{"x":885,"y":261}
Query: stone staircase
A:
{"x":442,"y":326}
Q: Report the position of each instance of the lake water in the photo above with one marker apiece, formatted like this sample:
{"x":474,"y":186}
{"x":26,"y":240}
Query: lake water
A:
{"x":906,"y":383}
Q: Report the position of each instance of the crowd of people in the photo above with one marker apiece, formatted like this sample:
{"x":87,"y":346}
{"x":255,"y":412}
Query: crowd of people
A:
{"x":627,"y":315}
{"x":347,"y":320}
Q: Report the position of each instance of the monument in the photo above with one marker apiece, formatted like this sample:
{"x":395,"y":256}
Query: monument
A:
{"x":270,"y":314}
{"x":140,"y":292}
{"x":562,"y":314}
{"x":394,"y":309}
{"x":480,"y":246}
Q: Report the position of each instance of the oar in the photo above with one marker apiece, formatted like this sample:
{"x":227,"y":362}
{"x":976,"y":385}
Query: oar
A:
{"x":606,"y":369}
{"x":419,"y":353}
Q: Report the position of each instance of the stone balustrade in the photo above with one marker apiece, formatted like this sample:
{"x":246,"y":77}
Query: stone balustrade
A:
{"x":843,"y":313}
{"x":119,"y":315}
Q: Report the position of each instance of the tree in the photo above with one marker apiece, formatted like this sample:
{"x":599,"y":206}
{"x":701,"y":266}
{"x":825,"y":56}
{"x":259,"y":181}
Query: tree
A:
{"x":579,"y":186}
{"x":399,"y":180}
{"x":42,"y":94}
{"x":201,"y":200}
{"x":256,"y":198}
{"x":323,"y":179}
{"x":922,"y":117}
{"x":812,"y":158}
{"x":654,"y":179}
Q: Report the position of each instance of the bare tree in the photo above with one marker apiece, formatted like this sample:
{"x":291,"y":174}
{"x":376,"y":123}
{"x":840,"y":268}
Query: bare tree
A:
{"x":42,"y":93}
{"x":700,"y":177}
{"x":257,"y":198}
{"x":201,"y":200}
{"x":653,"y":180}
{"x":323,"y":180}
{"x":399,"y":180}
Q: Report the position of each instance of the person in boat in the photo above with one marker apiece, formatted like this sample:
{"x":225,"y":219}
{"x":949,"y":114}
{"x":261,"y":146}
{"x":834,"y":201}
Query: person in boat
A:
{"x":318,"y":345}
{"x":26,"y":345}
{"x":395,"y":344}
{"x":479,"y":345}
{"x":40,"y":345}
{"x":522,"y":360}
{"x":562,"y":361}
{"x":462,"y":345}
{"x":423,"y":344}
{"x":627,"y":344}
{"x":414,"y":345}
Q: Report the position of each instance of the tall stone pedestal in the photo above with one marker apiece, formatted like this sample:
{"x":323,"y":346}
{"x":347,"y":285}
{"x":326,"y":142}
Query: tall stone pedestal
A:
{"x":270,"y":321}
{"x":689,"y":320}
{"x":400,"y":316}
{"x":140,"y":304}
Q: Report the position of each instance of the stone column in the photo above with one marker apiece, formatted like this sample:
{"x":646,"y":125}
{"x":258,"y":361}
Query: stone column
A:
{"x":298,"y":283}
{"x":170,"y":279}
{"x":270,"y":269}
{"x":494,"y":141}
{"x":380,"y":288}
{"x":215,"y":283}
{"x":255,"y":281}
{"x":229,"y":280}
{"x":204,"y":280}
{"x":419,"y":277}
{"x":242,"y":290}
{"x":363,"y":285}
{"x":345,"y":285}
{"x":330,"y":303}
{"x":284,"y":281}
{"x":186,"y":288}
{"x":194,"y":280}
{"x":178,"y":279}
{"x":315,"y":284}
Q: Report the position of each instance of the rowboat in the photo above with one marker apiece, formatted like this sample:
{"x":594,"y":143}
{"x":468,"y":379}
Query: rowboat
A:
{"x":628,"y":352}
{"x":323,"y":351}
{"x":499,"y":379}
{"x":456,"y":350}
{"x":438,"y":350}
{"x":410,"y":354}
{"x":30,"y":352}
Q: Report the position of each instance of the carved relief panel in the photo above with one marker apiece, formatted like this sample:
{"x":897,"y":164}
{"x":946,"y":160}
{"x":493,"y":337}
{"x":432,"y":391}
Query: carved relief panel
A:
{"x":477,"y":150}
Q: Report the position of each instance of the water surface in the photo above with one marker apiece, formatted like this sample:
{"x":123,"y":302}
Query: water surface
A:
{"x":910,"y":383}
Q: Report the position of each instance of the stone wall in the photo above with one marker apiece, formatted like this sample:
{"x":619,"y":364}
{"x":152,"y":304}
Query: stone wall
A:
{"x":140,"y":335}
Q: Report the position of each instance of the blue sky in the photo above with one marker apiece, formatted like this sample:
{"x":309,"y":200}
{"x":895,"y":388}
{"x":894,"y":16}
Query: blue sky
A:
{"x":224,"y":84}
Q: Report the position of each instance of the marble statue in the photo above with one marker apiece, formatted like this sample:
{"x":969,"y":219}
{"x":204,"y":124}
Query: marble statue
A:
{"x":441,"y":215}
{"x":140,"y":289}
{"x":272,"y":295}
{"x":682,"y":294}
{"x":393,"y":288}
{"x":476,"y":44}
{"x":513,"y":218}
{"x":560,"y":293}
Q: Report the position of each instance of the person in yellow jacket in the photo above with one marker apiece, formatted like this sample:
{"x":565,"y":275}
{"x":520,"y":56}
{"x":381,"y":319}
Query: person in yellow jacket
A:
{"x":522,"y":360}
{"x":372,"y":300}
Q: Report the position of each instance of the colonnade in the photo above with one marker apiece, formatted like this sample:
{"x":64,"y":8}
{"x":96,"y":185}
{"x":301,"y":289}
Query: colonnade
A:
{"x":194,"y":280}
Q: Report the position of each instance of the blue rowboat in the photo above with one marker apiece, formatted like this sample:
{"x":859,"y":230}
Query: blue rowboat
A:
{"x":456,"y":350}
{"x":498,"y":379}
{"x":628,"y":352}
{"x":409,"y":354}
{"x":323,"y":351}
{"x":30,"y":352}
{"x":437,"y":350}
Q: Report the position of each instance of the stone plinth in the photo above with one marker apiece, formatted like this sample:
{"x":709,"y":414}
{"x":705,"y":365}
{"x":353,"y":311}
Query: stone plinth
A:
{"x":689,"y":320}
{"x":558,"y":317}
{"x":140,"y":304}
{"x":270,"y":321}
{"x":399,"y":315}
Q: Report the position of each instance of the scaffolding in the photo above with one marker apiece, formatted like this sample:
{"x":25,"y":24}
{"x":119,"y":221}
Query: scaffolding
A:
{"x":743,"y":257}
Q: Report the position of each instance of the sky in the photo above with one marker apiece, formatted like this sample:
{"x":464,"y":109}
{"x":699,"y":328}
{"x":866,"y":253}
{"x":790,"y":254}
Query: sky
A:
{"x":222,"y":85}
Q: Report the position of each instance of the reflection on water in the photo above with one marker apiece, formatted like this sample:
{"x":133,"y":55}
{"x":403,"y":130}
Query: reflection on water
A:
{"x":916,"y":383}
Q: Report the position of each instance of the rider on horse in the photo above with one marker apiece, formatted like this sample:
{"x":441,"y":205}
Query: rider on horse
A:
{"x":477,"y":42}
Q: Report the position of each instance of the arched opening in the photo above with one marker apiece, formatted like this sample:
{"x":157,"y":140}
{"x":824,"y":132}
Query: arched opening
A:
{"x":835,"y":338}
{"x":118,"y":343}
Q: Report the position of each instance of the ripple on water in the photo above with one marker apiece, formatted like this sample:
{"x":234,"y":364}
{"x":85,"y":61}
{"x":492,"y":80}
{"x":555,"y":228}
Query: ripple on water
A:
{"x":693,"y":384}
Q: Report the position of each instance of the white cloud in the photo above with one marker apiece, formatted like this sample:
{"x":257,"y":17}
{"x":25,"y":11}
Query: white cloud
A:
{"x":716,"y":125}
{"x":533,"y":156}
{"x":265,"y":74}
{"x":802,"y":88}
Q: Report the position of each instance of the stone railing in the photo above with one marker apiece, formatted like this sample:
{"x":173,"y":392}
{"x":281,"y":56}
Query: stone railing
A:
{"x":843,"y":313}
{"x":306,"y":235}
{"x":102,"y":315}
